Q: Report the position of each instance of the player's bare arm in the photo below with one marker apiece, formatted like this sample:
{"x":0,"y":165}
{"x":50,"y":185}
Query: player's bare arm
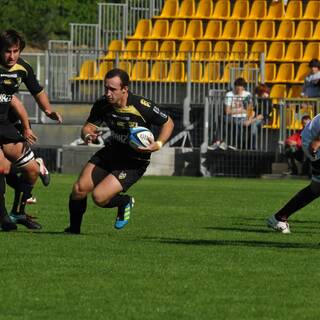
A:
{"x":164,"y":134}
{"x":17,"y":105}
{"x":89,"y":133}
{"x":44,"y":104}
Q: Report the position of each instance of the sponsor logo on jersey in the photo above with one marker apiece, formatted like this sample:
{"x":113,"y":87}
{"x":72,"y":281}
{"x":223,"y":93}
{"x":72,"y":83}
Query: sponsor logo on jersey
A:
{"x":123,"y":118}
{"x":122,"y":175}
{"x":8,"y":75}
{"x":5,"y":98}
{"x":145,"y":103}
{"x":122,"y":138}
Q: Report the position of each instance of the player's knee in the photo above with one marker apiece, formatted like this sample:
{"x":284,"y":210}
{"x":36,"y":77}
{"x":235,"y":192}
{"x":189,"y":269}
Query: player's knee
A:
{"x":25,"y":159}
{"x":78,"y":191}
{"x":99,"y":199}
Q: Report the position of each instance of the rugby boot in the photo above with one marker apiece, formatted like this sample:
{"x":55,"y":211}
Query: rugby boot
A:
{"x":44,"y":173}
{"x":26,"y":220}
{"x":6,"y":224}
{"x":123,"y":215}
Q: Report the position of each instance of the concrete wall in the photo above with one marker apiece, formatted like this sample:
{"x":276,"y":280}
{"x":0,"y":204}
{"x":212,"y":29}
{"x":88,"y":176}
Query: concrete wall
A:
{"x":167,"y":161}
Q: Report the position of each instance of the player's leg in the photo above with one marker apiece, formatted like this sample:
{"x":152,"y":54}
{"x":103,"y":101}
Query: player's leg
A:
{"x":108,"y":193}
{"x":89,"y":177}
{"x":279,"y":221}
{"x":22,"y":158}
{"x":5,"y":222}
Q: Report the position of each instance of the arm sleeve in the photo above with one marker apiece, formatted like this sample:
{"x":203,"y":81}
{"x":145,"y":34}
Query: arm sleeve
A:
{"x":95,"y":116}
{"x":152,"y":113}
{"x":31,"y":81}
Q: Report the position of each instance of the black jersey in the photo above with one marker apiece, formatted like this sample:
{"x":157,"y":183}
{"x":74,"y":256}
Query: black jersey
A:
{"x":138,"y":112}
{"x":10,"y":81}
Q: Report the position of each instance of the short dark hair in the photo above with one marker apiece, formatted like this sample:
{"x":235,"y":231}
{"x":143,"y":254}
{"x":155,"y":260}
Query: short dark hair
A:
{"x":261,"y":88}
{"x":123,"y":75}
{"x":240,"y":82}
{"x":305,"y":117}
{"x":314,"y":63}
{"x":9,"y":38}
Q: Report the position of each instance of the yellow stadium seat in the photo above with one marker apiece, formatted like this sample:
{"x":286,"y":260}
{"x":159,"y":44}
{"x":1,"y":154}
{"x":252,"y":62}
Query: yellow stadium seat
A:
{"x":294,"y":51}
{"x":270,"y":72}
{"x":278,"y":91}
{"x":204,"y":10}
{"x":231,"y":30}
{"x":276,"y":51}
{"x":150,"y":50}
{"x":194,"y":30}
{"x":240,"y":9}
{"x":170,"y":9}
{"x":286,"y":30}
{"x":312,"y":10}
{"x":211,"y":72}
{"x":248,"y":30}
{"x":302,"y":72}
{"x":159,"y":71}
{"x":143,"y":29}
{"x":140,"y":71}
{"x":132,"y":50}
{"x":186,"y":48}
{"x":295,"y":91}
{"x":275,"y":120}
{"x":213,"y":30}
{"x":258,"y":10}
{"x":257,"y":48}
{"x":177,"y":29}
{"x":176,"y":72}
{"x":167,"y":50}
{"x":187,"y":9}
{"x":115,"y":47}
{"x":196,"y":72}
{"x":311,"y":51}
{"x":304,"y":30}
{"x":221,"y":50}
{"x":104,"y":67}
{"x":267,"y":30}
{"x":293,"y":10}
{"x":250,"y":72}
{"x":231,"y":71}
{"x":88,"y":70}
{"x":275,"y":10}
{"x":285,"y":72}
{"x":221,"y":9}
{"x":160,"y":29}
{"x":203,"y":50}
{"x":126,"y":66}
{"x":316,"y":32}
{"x":239,"y":50}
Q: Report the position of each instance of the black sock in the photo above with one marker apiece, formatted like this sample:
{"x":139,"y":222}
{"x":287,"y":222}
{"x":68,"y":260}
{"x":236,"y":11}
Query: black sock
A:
{"x":118,"y":201}
{"x":12,"y":180}
{"x":300,"y":200}
{"x":22,"y":194}
{"x":77,"y":208}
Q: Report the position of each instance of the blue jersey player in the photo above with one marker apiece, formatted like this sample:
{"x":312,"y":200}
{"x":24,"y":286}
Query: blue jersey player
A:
{"x":311,"y":147}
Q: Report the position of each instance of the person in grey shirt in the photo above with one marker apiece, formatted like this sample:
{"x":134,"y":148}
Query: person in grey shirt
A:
{"x":311,"y":86}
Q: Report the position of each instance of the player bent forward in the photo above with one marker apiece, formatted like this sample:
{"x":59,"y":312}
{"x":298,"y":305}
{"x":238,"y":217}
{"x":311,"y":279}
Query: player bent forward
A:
{"x":311,"y":146}
{"x":116,"y":167}
{"x":15,"y":147}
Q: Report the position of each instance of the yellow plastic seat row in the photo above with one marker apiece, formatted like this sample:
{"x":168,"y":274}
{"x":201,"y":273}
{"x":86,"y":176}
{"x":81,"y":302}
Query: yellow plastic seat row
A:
{"x":231,"y":29}
{"x":241,"y":9}
{"x":286,"y":73}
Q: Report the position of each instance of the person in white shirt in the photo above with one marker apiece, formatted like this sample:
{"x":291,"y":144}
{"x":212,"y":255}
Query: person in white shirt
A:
{"x":239,"y":110}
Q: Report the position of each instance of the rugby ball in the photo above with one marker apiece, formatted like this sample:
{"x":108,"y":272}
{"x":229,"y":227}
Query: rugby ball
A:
{"x":140,"y":137}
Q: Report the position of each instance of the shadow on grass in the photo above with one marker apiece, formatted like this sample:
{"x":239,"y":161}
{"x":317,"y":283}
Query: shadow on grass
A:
{"x":239,"y":243}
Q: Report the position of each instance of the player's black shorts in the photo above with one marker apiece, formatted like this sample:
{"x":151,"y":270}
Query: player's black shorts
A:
{"x":9,"y":134}
{"x":127,"y":171}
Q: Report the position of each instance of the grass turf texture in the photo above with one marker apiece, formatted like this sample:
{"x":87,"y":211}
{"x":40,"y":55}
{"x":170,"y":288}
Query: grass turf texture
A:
{"x":194,"y":249}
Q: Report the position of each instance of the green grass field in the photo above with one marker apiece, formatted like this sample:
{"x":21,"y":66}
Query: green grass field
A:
{"x":194,"y":249}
